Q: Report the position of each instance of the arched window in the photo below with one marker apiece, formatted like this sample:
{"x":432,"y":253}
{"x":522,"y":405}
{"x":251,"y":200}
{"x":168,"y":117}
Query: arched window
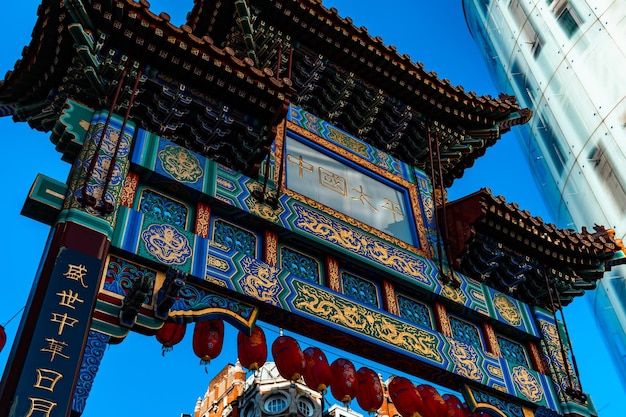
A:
{"x":275,"y":404}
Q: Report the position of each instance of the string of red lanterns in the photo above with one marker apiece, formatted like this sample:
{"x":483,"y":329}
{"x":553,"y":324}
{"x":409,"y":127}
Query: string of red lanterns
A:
{"x":311,"y":365}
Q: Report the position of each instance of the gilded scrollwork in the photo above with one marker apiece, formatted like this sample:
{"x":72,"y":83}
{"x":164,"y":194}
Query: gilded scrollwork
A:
{"x":454,"y":294}
{"x":217,"y":263}
{"x":332,"y":267}
{"x":181,"y":164}
{"x":166,"y":243}
{"x":271,"y":248}
{"x":336,"y":233}
{"x":390,"y":297}
{"x":130,"y":189}
{"x":507,"y":309}
{"x":203,"y":216}
{"x":495,"y":370}
{"x":261,"y":209}
{"x":527,"y":384}
{"x":260,"y":281}
{"x":465,"y":360}
{"x":337,"y":310}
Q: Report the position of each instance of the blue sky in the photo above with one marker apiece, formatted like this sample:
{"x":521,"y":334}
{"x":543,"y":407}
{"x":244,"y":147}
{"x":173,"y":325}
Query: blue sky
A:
{"x":135,"y":379}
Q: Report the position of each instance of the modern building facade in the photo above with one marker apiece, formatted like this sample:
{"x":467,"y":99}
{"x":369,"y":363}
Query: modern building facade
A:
{"x":566,"y":60}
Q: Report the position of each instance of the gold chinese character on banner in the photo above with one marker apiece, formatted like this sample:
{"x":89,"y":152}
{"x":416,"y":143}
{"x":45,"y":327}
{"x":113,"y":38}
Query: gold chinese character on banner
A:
{"x":40,"y":405}
{"x":76,"y":273}
{"x":47,"y":379}
{"x":394,"y":208}
{"x":55,"y":347}
{"x":69,"y":298}
{"x":63,"y":320}
{"x":302,"y":165}
{"x":332,"y":181}
{"x":363,"y":198}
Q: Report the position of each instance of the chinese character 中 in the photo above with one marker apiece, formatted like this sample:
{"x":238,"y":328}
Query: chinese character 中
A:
{"x":302,"y":165}
{"x":63,"y":320}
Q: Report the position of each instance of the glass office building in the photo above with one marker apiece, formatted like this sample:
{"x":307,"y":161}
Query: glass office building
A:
{"x":566,"y":60}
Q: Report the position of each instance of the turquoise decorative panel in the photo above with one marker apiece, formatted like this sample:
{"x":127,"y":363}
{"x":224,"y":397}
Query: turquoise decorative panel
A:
{"x":552,"y":345}
{"x":510,"y":311}
{"x":235,"y":237}
{"x":466,"y":332}
{"x":360,"y":289}
{"x":160,"y":160}
{"x":415,"y":312}
{"x":512,"y":351}
{"x":299,"y":264}
{"x":157,"y":241}
{"x":160,"y":207}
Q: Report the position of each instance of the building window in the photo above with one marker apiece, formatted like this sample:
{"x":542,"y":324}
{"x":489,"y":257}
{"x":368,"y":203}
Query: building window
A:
{"x":466,"y":332}
{"x":415,"y":312}
{"x":234,"y":237}
{"x":275,"y":404}
{"x":513,"y":352}
{"x":305,"y":407}
{"x":566,"y":16}
{"x":162,"y":208}
{"x":300,"y":264}
{"x":569,"y":21}
{"x":359,"y":289}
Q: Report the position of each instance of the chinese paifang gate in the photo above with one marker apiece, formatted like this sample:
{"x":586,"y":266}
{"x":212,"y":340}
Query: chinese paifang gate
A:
{"x":283,"y":166}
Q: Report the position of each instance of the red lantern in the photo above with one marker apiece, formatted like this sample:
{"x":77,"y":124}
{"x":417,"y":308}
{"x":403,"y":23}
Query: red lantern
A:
{"x":405,"y":397}
{"x":434,"y":405}
{"x":3,"y":338}
{"x":169,"y":334}
{"x":455,"y":407}
{"x":288,"y":358}
{"x":208,"y":337}
{"x":343,"y":386}
{"x":370,"y":394}
{"x":252,"y":350}
{"x":317,"y":374}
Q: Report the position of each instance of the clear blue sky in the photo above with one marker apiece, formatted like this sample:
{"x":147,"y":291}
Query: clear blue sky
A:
{"x":135,"y":379}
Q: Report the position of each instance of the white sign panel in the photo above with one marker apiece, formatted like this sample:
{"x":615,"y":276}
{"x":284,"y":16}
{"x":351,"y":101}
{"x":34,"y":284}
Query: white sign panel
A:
{"x":347,"y":189}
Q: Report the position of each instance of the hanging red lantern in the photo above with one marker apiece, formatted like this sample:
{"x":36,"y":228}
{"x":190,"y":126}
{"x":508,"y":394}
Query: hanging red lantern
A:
{"x":288,"y":357}
{"x":405,"y":397}
{"x":252,"y":350}
{"x":208,"y":337}
{"x":370,"y":394}
{"x":317,"y":374}
{"x":3,"y":338}
{"x":343,"y":386}
{"x":170,"y":334}
{"x":455,"y":407}
{"x":434,"y":405}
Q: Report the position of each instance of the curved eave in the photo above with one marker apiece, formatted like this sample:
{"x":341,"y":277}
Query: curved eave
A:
{"x":584,"y":252}
{"x":368,"y":57}
{"x":142,"y":35}
{"x":44,"y":61}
